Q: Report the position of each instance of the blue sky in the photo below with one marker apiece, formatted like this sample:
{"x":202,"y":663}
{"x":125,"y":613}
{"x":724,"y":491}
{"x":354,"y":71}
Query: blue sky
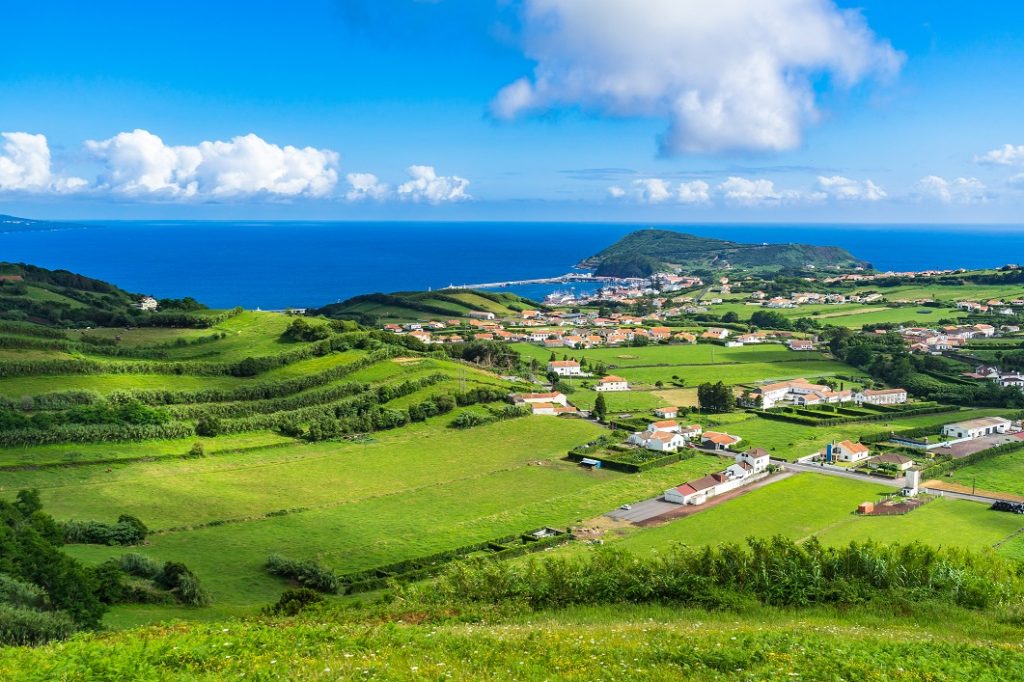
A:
{"x":646,"y":110}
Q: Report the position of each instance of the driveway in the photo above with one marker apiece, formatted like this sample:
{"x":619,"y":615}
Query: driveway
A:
{"x":641,"y":511}
{"x":969,"y":447}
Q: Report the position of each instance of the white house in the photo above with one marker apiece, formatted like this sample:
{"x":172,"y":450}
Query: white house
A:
{"x":147,"y":303}
{"x":480,"y":315}
{"x":669,"y":425}
{"x":847,"y":451}
{"x":1014,"y":380}
{"x":885,"y":396}
{"x":612,"y":383}
{"x":800,"y":344}
{"x":757,"y":458}
{"x":565,"y":368}
{"x":747,"y":466}
{"x":659,"y":441}
{"x":534,"y":398}
{"x":690,"y":432}
{"x":715,"y":333}
{"x":695,"y":492}
{"x":976,"y":428}
{"x":667,"y":412}
{"x":718,"y":441}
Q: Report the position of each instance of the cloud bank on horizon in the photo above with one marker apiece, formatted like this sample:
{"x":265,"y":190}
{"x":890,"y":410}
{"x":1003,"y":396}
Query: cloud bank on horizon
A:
{"x":140,"y":165}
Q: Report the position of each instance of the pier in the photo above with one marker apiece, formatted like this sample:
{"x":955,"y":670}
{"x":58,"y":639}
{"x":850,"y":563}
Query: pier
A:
{"x":561,"y":279}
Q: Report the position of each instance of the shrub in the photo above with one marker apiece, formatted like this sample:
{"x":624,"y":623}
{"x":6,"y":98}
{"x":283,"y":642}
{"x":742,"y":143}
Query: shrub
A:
{"x":20,"y":594}
{"x":468,"y":420}
{"x":182,"y":583}
{"x":293,"y":601}
{"x":307,"y":573}
{"x":22,"y":626}
{"x":139,"y":565}
{"x":127,"y":531}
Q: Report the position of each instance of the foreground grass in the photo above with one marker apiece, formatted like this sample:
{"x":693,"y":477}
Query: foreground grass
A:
{"x":597,"y":643}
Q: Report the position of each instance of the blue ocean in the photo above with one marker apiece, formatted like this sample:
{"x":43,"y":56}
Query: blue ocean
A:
{"x":275,"y":265}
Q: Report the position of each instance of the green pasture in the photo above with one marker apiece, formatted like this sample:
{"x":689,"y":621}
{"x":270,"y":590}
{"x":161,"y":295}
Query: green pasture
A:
{"x":74,"y":454}
{"x":806,"y":505}
{"x":1004,"y":474}
{"x":738,"y":373}
{"x":671,"y":354}
{"x":787,"y":440}
{"x":403,"y":494}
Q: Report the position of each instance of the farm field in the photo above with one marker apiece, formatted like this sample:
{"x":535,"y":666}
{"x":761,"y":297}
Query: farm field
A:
{"x":1004,"y":474}
{"x":15,"y":387}
{"x":965,"y":292}
{"x":853,"y":315}
{"x":67,"y":454}
{"x":806,"y":505}
{"x":946,"y":522}
{"x":617,"y":401}
{"x":354,"y":505}
{"x":673,"y":354}
{"x":789,"y":441}
{"x":739,"y":373}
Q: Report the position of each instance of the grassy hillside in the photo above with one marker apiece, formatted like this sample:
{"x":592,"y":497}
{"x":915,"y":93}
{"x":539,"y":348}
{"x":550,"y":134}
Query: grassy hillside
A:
{"x":880,"y":642}
{"x":645,"y":251}
{"x":65,"y":299}
{"x":420,"y":305}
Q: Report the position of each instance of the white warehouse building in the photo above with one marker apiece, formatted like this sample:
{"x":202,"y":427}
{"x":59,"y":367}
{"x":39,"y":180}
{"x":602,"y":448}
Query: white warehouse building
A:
{"x":976,"y":428}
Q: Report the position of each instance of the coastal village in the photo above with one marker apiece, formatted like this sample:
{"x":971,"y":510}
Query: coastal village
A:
{"x":643,"y":312}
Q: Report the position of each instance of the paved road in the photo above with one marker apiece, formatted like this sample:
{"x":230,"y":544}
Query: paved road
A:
{"x":841,"y":473}
{"x":960,"y":496}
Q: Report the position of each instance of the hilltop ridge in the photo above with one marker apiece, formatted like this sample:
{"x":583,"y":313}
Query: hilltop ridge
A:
{"x":644,"y":252}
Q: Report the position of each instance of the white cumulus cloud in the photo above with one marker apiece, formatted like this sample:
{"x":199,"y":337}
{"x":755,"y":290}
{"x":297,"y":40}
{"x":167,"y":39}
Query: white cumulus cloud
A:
{"x":427,"y":186}
{"x":761,"y":192}
{"x":140,"y":163}
{"x":366,"y":186}
{"x":845,"y":189}
{"x":25,"y":166}
{"x":657,"y":191}
{"x":732,"y":74}
{"x":1007,"y":155}
{"x":955,"y":191}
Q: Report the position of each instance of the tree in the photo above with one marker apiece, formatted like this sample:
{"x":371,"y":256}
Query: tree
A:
{"x":770,"y":319}
{"x":731,"y":316}
{"x":715,"y":397}
{"x":600,"y":407}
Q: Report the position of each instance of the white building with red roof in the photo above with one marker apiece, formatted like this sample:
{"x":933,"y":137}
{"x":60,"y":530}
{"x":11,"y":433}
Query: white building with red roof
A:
{"x":565,"y":368}
{"x":611,"y":383}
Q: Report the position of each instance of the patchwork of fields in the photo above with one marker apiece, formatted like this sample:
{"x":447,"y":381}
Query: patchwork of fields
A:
{"x":402,"y":483}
